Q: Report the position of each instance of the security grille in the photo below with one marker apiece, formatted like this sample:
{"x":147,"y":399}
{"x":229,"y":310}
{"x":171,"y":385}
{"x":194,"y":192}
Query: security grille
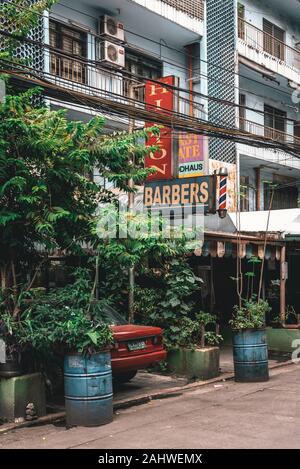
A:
{"x":221,"y":68}
{"x":193,"y":8}
{"x":33,"y":54}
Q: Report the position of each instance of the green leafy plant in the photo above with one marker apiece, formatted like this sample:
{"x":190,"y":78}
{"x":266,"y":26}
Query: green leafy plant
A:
{"x":140,"y":246}
{"x":64,"y":319}
{"x":48,"y":201}
{"x":251,"y":315}
{"x":192,"y":332}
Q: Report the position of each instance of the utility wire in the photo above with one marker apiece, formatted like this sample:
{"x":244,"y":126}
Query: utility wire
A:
{"x":170,"y":119}
{"x":186,"y":53}
{"x":134,"y":76}
{"x":170,"y":48}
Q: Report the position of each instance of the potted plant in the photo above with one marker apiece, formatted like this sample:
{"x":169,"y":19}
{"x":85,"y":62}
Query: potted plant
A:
{"x":194,"y":350}
{"x":65,"y":320}
{"x":250,"y":350}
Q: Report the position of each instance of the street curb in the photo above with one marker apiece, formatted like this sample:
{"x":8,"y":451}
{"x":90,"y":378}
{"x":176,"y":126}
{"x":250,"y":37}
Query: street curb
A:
{"x":126,"y":403}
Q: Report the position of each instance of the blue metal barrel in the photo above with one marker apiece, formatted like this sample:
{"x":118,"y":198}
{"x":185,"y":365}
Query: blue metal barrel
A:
{"x":88,"y":389}
{"x":250,"y":355}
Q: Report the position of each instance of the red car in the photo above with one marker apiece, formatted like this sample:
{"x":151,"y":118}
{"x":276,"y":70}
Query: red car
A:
{"x":135,"y":347}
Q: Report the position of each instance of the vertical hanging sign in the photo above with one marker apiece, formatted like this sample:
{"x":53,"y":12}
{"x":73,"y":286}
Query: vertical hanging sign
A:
{"x":159,"y":99}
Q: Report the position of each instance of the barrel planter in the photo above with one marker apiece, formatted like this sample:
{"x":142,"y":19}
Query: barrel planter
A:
{"x":10,"y":368}
{"x":250,"y":355}
{"x":88,"y":389}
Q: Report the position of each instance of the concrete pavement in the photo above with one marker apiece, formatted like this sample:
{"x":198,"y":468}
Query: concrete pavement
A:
{"x":228,"y":415}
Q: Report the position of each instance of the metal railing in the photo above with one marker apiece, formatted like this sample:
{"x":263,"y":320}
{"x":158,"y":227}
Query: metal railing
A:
{"x":193,"y":8}
{"x":268,"y":132}
{"x":68,"y":69}
{"x":92,"y":79}
{"x":267,"y":43}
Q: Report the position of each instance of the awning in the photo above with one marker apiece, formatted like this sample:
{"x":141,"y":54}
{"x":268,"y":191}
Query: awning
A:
{"x":284,"y":222}
{"x":217,"y":245}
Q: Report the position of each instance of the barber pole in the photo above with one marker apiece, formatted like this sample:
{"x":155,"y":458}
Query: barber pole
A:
{"x":223,"y":193}
{"x":223,"y":174}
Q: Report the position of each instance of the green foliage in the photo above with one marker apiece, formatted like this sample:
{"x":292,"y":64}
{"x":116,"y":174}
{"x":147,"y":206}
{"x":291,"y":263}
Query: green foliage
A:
{"x":127,"y":238}
{"x":170,"y":304}
{"x":251,"y":315}
{"x":47,"y":199}
{"x":180,"y":282}
{"x":193,"y":333}
{"x":171,"y":298}
{"x":62,"y":318}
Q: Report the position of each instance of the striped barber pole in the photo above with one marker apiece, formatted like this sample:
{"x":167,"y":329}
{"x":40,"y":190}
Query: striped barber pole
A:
{"x":223,"y":193}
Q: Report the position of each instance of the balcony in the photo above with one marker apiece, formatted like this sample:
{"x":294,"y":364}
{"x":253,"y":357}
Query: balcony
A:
{"x":260,"y":47}
{"x":187,"y":13}
{"x":252,"y":156}
{"x":268,"y":132}
{"x":95,"y":80}
{"x":194,"y":9}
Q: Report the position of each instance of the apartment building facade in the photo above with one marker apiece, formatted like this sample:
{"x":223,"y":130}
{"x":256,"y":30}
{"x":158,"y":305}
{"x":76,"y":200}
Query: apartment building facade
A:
{"x":237,"y":64}
{"x":245,"y":53}
{"x":253,"y":61}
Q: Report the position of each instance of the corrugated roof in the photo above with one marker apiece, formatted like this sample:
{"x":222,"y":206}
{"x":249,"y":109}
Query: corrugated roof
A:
{"x":286,"y":222}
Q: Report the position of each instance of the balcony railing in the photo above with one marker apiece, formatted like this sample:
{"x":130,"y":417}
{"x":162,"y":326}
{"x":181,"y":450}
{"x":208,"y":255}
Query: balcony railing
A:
{"x":267,"y":43}
{"x":193,"y":8}
{"x":268,"y":132}
{"x":79,"y":75}
{"x":68,"y":69}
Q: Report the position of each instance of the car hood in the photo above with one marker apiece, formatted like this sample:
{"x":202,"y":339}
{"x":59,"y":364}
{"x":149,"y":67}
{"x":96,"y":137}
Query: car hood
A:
{"x":130,"y":331}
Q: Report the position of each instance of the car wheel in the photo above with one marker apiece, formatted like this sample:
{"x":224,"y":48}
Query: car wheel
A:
{"x":125,"y":377}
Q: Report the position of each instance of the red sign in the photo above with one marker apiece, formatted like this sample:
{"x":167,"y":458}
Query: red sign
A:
{"x":160,"y":100}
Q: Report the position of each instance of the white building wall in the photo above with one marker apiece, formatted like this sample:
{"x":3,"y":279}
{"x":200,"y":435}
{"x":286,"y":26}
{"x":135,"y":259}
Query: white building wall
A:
{"x":255,"y":11}
{"x":251,"y":46}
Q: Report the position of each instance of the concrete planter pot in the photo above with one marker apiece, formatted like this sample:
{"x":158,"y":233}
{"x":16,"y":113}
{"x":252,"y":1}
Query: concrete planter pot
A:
{"x":199,"y":363}
{"x":17,"y":392}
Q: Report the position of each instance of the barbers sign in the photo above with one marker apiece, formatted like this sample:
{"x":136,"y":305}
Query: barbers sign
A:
{"x":181,"y":193}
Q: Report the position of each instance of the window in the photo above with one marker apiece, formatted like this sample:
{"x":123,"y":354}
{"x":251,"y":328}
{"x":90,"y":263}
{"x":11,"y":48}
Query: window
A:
{"x":284,"y":197}
{"x":274,"y":39}
{"x":241,"y":21}
{"x":244,"y":193}
{"x":242,"y":111}
{"x":274,"y":123}
{"x":138,"y":64}
{"x":70,"y":42}
{"x":297,"y":131}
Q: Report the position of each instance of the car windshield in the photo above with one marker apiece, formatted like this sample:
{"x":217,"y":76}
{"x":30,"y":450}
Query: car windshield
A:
{"x":112,"y":317}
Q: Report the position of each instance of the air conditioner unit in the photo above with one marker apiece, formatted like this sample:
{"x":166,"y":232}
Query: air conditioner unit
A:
{"x":111,"y":28}
{"x":111,"y":53}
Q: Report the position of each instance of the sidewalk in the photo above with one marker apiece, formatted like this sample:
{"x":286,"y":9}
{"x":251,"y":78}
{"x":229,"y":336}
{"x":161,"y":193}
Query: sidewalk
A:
{"x":146,"y":387}
{"x":227,"y":415}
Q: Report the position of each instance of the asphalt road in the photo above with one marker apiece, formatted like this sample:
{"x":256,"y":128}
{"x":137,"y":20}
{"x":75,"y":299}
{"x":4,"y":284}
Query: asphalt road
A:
{"x":228,"y":415}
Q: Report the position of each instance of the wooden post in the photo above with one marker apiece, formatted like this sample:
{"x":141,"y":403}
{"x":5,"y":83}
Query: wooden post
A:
{"x":282,"y":283}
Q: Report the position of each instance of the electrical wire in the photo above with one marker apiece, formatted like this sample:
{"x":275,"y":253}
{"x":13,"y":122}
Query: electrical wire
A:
{"x":173,"y":120}
{"x":174,"y":49}
{"x":135,"y":76}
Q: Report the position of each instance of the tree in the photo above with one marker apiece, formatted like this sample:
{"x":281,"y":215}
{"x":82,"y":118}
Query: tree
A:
{"x":48,"y":200}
